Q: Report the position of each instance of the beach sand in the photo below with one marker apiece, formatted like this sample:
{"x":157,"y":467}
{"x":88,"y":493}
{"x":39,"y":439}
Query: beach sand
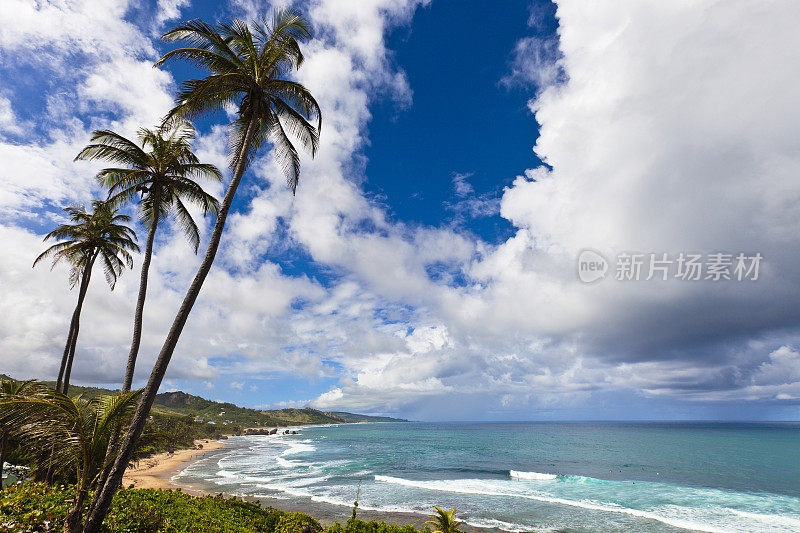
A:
{"x":156,"y":472}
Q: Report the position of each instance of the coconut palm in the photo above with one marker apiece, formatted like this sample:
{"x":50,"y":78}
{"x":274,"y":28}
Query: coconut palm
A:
{"x":99,"y":234}
{"x":248,"y":67}
{"x":444,"y":521}
{"x":10,"y":388}
{"x":160,"y":174}
{"x":77,"y":431}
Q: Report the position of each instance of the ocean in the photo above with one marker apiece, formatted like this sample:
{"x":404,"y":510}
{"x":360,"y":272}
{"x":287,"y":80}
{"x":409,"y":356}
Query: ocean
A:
{"x":555,"y":477}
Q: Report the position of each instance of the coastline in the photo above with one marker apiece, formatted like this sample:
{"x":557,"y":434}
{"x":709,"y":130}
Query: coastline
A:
{"x":159,"y":471}
{"x":156,"y":472}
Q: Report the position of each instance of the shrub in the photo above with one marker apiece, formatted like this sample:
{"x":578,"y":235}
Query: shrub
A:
{"x":297,"y":523}
{"x":354,"y":525}
{"x":32,"y":507}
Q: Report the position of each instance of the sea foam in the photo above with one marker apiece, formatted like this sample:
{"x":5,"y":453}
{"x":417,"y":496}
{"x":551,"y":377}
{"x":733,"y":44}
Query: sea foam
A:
{"x":486,"y":488}
{"x":536,"y":476}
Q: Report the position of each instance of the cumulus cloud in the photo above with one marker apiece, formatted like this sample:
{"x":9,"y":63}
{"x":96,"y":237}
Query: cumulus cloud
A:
{"x":644,"y":153}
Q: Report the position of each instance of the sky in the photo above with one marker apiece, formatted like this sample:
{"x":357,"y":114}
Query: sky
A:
{"x":428,"y":267}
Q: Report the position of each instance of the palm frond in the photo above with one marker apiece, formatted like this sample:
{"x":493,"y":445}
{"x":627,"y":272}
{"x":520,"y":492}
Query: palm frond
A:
{"x":187,"y":224}
{"x":248,"y":65}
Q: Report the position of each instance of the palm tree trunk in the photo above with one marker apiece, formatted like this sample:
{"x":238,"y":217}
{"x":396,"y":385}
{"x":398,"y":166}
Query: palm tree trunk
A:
{"x":137,"y":335}
{"x":3,"y":443}
{"x":87,"y":274}
{"x":73,"y":522}
{"x":62,"y":384}
{"x":137,"y":319}
{"x":65,"y":356}
{"x":101,"y":506}
{"x":68,"y":370}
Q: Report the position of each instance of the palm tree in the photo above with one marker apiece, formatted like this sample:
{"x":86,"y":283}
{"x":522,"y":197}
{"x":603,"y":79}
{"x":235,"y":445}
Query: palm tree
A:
{"x":162,"y":171}
{"x":247,"y":68}
{"x":444,"y":521}
{"x":10,"y":388}
{"x":77,"y":430}
{"x":100,"y":234}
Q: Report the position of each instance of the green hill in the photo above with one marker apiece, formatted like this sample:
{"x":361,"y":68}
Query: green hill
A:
{"x":306,"y":415}
{"x":351,"y":418}
{"x":228,"y":414}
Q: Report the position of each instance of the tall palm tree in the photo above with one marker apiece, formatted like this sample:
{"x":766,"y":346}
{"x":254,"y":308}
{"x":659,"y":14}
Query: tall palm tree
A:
{"x":444,"y":521}
{"x":10,"y":388}
{"x":101,"y":234}
{"x":248,"y":67}
{"x":77,"y":430}
{"x":161,"y":175}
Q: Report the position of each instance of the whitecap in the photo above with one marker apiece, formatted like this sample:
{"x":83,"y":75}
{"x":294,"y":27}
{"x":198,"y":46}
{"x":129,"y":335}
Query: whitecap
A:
{"x":481,"y":487}
{"x":533,"y":476}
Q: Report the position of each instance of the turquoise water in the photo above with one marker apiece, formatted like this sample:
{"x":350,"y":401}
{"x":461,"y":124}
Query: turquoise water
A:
{"x":715,"y":477}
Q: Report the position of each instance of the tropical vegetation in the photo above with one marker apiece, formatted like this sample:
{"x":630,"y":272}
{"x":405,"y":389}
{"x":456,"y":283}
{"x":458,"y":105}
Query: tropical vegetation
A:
{"x":32,"y":507}
{"x":248,"y":68}
{"x":74,"y":432}
{"x":160,"y":176}
{"x":10,"y":389}
{"x":99,"y":234}
{"x":444,"y":521}
{"x":42,"y":507}
{"x":71,"y":443}
{"x":77,"y":432}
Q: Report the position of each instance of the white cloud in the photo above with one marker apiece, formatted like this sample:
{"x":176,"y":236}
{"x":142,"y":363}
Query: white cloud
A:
{"x":169,"y":9}
{"x":536,"y":64}
{"x":783,"y":367}
{"x":647,"y":153}
{"x":9,"y":123}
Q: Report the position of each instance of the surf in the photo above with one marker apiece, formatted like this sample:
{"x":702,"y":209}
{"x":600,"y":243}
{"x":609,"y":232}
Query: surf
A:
{"x":537,"y":476}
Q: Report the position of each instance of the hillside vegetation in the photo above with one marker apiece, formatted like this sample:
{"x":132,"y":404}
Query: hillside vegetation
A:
{"x":179,"y":403}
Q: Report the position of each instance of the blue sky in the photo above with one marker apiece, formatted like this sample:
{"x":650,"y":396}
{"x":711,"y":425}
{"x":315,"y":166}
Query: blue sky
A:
{"x":427,"y":266}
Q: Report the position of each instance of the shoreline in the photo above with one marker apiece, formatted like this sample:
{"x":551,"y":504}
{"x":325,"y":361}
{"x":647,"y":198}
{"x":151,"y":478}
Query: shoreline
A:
{"x":158,"y":471}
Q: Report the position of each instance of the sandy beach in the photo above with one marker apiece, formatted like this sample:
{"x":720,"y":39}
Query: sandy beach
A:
{"x":156,"y":472}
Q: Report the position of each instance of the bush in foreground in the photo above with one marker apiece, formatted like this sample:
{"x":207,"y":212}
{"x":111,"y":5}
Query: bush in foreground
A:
{"x":354,"y":525}
{"x":32,"y":507}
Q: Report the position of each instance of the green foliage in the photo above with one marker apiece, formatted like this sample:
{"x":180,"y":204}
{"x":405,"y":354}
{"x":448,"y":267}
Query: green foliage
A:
{"x":76,"y":431}
{"x":167,"y":433}
{"x":221,"y":413}
{"x":135,"y":510}
{"x":304,"y":416}
{"x":248,"y":66}
{"x":354,"y":525}
{"x":99,"y":234}
{"x":444,"y":521}
{"x":37,"y":506}
{"x":159,"y":175}
{"x":227,"y":416}
{"x":34,"y":506}
{"x":297,"y":523}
